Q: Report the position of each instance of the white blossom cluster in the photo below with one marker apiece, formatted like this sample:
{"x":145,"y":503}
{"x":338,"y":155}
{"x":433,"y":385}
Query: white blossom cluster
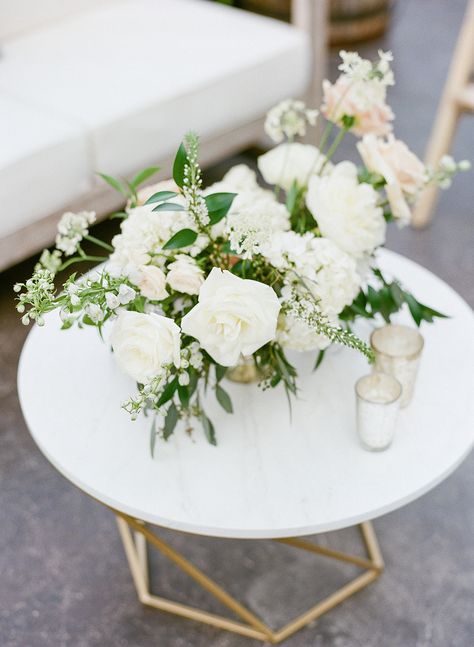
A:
{"x":37,"y":293}
{"x":289,"y":119}
{"x":447,"y":168}
{"x":356,"y":68}
{"x":72,"y":228}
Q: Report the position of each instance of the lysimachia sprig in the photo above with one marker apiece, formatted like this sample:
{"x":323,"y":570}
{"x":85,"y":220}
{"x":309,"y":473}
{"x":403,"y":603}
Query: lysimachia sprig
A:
{"x":305,"y":309}
{"x":192,"y":183}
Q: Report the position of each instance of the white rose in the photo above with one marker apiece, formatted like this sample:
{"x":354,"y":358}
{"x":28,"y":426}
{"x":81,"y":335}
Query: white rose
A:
{"x":152,"y":281}
{"x":404,"y":173}
{"x":346,"y":211}
{"x":286,"y":163}
{"x":185,"y":275}
{"x":144,"y":343}
{"x":233,"y":317}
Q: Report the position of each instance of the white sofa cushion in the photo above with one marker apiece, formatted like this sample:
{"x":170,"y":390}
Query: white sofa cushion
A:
{"x":43,"y":163}
{"x":137,"y":73}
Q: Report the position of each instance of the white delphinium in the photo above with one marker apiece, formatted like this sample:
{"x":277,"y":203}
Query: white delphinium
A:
{"x":288,"y":119}
{"x":112,"y":301}
{"x":37,"y":293}
{"x":94,"y":312}
{"x":72,"y":228}
{"x":126,"y":294}
{"x":346,"y":211}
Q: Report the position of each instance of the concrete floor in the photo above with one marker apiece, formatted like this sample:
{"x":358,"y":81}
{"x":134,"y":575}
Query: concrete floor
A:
{"x":64,"y":581}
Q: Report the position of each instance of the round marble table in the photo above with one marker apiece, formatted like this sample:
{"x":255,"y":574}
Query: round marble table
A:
{"x":271,"y":476}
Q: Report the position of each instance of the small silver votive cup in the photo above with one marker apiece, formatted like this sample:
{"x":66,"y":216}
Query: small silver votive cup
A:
{"x":397,"y":353}
{"x":377,"y":404}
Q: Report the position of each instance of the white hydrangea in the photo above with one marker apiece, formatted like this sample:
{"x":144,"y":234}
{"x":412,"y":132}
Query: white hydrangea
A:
{"x":346,"y":211}
{"x":327,"y":271}
{"x":295,"y":334}
{"x":72,"y":228}
{"x":143,"y":235}
{"x":289,"y":119}
{"x":242,"y":180}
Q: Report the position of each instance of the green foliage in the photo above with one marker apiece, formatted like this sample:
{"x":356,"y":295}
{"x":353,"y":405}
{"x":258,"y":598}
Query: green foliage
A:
{"x":300,"y":217}
{"x":348,"y":121}
{"x":180,"y":162}
{"x":319,"y":359}
{"x":386,"y":301}
{"x":115,"y":184}
{"x":367,"y":177}
{"x":182,"y":238}
{"x":171,"y":420}
{"x":218,"y":205}
{"x":168,"y":392}
{"x":224,"y":399}
{"x":208,"y":428}
{"x":168,"y":206}
{"x":143,"y":176}
{"x":161,"y":196}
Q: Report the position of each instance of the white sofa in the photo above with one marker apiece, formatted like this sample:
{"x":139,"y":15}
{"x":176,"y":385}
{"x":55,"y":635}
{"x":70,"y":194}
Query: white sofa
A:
{"x":112,"y":85}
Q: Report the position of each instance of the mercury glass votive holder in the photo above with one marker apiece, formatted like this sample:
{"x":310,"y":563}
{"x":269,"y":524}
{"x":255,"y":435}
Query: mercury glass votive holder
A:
{"x":377,"y":402}
{"x":397,"y":353}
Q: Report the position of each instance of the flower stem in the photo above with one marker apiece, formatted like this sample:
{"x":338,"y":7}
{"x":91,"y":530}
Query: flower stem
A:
{"x":98,"y":242}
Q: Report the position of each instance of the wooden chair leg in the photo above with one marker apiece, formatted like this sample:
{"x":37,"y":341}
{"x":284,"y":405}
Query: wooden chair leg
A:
{"x":449,"y":110}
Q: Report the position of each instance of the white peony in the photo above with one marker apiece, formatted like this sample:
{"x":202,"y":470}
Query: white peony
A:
{"x":144,"y":343}
{"x":286,"y":163}
{"x":151,"y":281}
{"x":346,"y":211}
{"x":234,"y":316}
{"x":185,"y":275}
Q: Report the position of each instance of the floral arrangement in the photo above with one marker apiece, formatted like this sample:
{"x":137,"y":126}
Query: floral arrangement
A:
{"x":199,"y":278}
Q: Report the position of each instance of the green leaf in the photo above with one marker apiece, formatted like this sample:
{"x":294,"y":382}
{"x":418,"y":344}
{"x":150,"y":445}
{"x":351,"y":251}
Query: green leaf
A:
{"x":224,"y":399}
{"x":193,"y":381}
{"x":168,"y":392}
{"x":169,"y":206}
{"x":142,"y":176}
{"x":171,"y":420}
{"x":218,"y":205}
{"x":397,"y":294}
{"x":319,"y":359}
{"x":209,"y":430}
{"x":153,"y":437}
{"x":161,"y":196}
{"x":374,"y":299}
{"x":292,"y":196}
{"x":182,"y":238}
{"x":115,"y":184}
{"x":220,"y":372}
{"x":178,"y":166}
{"x":183,"y":393}
{"x":414,"y":307}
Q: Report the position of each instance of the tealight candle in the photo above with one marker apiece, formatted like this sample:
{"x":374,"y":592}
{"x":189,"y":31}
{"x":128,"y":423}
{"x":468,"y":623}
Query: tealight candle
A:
{"x":378,"y":402}
{"x":397,"y":353}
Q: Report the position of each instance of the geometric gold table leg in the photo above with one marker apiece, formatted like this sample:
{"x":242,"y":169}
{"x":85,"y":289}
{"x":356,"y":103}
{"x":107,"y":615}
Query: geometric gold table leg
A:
{"x":135,"y":534}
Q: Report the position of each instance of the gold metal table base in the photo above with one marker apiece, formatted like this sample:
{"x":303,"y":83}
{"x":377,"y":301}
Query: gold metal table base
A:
{"x":135,"y":534}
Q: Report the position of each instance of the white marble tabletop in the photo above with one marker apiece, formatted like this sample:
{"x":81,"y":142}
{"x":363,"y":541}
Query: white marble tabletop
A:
{"x":269,"y":476}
